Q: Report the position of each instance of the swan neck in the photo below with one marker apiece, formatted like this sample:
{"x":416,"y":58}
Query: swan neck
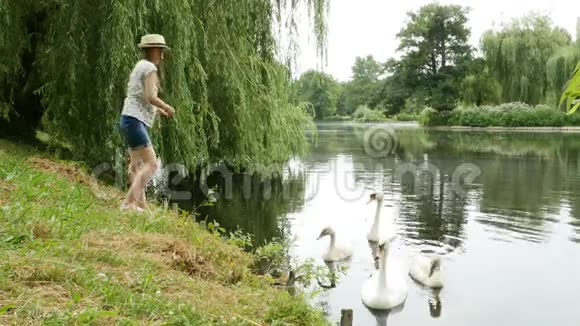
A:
{"x":378,"y":212}
{"x":332,"y":240}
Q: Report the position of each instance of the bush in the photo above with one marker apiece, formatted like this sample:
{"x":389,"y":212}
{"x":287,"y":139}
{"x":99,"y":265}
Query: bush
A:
{"x":339,"y":118}
{"x":432,"y":117}
{"x":403,"y":116}
{"x":365,"y":114}
{"x":505,"y":115}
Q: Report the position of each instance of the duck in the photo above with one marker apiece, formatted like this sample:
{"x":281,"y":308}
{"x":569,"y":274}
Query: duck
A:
{"x":387,"y":288}
{"x":378,"y":232}
{"x":335,"y":252}
{"x":426,"y":271}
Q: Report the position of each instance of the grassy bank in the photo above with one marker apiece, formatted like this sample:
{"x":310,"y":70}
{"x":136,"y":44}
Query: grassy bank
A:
{"x":406,"y":117}
{"x":68,"y":256}
{"x":504,"y":115}
{"x":368,"y":115}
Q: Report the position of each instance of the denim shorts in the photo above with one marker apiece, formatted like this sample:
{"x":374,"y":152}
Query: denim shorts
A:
{"x":135,"y":132}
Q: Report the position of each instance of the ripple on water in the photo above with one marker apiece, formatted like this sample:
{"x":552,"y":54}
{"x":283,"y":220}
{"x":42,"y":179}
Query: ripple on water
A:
{"x":514,"y":225}
{"x":575,"y":237}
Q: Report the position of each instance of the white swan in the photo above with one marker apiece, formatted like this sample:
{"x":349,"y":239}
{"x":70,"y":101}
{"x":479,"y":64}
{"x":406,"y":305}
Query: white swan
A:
{"x":427,"y":271}
{"x":378,"y":232}
{"x":335,"y":252}
{"x":387,"y":288}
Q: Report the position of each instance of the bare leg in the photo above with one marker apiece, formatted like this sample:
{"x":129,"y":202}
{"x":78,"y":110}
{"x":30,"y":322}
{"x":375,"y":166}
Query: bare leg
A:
{"x":135,"y":165}
{"x":136,"y":193}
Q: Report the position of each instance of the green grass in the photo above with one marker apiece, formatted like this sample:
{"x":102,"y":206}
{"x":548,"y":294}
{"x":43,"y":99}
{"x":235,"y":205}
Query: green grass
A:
{"x":69,"y":256}
{"x":504,"y":115}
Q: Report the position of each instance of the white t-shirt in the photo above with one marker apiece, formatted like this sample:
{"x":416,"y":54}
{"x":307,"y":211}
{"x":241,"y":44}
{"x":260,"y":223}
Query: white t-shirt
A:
{"x":135,"y":104}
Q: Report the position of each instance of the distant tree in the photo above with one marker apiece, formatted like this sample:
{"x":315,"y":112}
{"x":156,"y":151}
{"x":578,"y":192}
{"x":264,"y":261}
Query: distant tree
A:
{"x":394,"y":92}
{"x":365,"y":85}
{"x":480,"y":87}
{"x":436,"y":53}
{"x":517,"y":55}
{"x":319,"y":89}
{"x":341,"y":108}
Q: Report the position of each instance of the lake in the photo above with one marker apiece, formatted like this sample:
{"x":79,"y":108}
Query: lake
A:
{"x":501,"y":209}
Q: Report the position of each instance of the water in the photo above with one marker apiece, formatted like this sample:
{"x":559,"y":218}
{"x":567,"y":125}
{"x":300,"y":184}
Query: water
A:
{"x":508,"y":234}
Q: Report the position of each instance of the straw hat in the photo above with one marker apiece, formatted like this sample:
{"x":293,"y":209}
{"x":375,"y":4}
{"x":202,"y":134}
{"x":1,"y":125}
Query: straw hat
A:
{"x":153,"y":41}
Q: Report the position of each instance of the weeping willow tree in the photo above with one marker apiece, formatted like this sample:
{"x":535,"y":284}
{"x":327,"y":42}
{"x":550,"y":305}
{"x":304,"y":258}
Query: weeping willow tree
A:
{"x":559,"y":69}
{"x":479,"y":87}
{"x":222,"y":75}
{"x":517,"y":54}
{"x":20,"y":24}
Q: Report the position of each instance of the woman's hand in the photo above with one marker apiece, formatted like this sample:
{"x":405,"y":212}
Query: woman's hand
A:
{"x":169,"y":111}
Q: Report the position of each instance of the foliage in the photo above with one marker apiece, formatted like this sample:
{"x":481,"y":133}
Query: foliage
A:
{"x":504,"y":115}
{"x":517,"y":56}
{"x":365,"y":114}
{"x":364,"y":87}
{"x":339,"y":118}
{"x":436,"y":37}
{"x":222,"y":76}
{"x":67,"y":256}
{"x":272,"y":258}
{"x":479,"y":86}
{"x":395,"y":94}
{"x":572,"y":92}
{"x":404,"y":116}
{"x":559,"y":68}
{"x":319,"y":89}
{"x":435,"y":53}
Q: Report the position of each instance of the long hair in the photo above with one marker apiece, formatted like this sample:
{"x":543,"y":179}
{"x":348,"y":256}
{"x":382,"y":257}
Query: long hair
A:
{"x":160,"y":66}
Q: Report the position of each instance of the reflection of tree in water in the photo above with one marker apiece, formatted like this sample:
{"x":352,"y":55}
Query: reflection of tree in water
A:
{"x":521,"y":185}
{"x":334,"y":139}
{"x":572,"y":162}
{"x":430,"y":207}
{"x":439,"y":213}
{"x":524,"y":176}
{"x":256,"y":205}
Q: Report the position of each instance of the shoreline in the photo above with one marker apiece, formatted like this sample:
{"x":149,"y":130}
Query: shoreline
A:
{"x":563,"y":129}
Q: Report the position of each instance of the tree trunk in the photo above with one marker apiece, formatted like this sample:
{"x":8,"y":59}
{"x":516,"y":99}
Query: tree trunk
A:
{"x":443,"y":55}
{"x":433,"y":63}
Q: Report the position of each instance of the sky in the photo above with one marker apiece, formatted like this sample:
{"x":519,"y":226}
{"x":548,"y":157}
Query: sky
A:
{"x":363,"y":27}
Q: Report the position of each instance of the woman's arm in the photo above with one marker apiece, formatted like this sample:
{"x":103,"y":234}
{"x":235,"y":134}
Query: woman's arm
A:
{"x":151,"y":91}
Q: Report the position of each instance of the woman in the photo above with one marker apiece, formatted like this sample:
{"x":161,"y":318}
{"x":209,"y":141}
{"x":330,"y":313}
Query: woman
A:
{"x":139,"y":110}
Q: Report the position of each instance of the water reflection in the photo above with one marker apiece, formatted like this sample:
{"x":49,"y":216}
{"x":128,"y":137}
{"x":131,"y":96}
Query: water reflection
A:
{"x":253,"y":204}
{"x":522,"y":209}
{"x":382,"y":316}
{"x":435,"y":305}
{"x":333,"y":269}
{"x":524,"y":177}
